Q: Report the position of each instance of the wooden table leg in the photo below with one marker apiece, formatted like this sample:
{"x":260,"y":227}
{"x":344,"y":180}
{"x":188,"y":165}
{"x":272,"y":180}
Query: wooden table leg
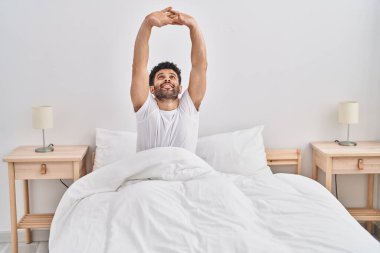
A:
{"x":76,"y":170}
{"x":299,"y":170}
{"x":28,"y":233}
{"x":85,"y":165}
{"x":12,"y":198}
{"x":329,"y":174}
{"x":314,"y":167}
{"x":370,"y":198}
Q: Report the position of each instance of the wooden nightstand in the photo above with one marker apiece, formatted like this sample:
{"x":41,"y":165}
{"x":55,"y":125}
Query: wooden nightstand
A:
{"x":284,"y":157}
{"x":364,"y":158}
{"x":65,"y":162}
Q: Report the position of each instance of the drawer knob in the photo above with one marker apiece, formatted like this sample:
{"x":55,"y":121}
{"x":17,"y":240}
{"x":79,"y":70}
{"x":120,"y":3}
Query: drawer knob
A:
{"x":360,"y":164}
{"x":43,"y":169}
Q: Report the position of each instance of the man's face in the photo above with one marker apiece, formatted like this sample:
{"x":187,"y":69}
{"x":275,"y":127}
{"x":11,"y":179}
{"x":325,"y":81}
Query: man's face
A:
{"x":166,"y":85}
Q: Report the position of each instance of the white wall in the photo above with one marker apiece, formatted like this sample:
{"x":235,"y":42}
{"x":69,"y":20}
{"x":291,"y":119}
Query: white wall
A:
{"x":285,"y":64}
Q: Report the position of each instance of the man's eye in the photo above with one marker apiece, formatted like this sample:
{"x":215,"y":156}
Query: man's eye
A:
{"x":172,"y":77}
{"x":160,"y":77}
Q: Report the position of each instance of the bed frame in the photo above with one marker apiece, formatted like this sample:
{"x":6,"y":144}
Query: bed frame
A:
{"x":274,"y":157}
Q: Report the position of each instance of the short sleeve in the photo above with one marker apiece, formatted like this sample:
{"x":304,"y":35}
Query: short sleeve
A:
{"x":186,"y":104}
{"x":149,"y":105}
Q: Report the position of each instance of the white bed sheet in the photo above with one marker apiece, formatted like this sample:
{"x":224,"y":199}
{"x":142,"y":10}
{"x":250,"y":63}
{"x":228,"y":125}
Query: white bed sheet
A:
{"x":169,"y":200}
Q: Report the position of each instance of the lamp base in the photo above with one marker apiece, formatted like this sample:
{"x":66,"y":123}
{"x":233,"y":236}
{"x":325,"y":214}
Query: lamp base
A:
{"x":44,"y":149}
{"x":347,"y":143}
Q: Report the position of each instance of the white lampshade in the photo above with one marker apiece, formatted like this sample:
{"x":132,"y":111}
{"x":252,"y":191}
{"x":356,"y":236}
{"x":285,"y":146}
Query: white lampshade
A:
{"x":349,"y":112}
{"x":42,"y":117}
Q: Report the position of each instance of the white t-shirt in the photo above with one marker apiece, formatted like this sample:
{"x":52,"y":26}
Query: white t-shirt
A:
{"x":175,"y":128}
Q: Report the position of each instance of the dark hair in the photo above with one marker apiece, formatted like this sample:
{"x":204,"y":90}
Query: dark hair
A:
{"x":164,"y":65}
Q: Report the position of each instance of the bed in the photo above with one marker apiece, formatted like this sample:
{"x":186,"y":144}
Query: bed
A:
{"x":171,"y":200}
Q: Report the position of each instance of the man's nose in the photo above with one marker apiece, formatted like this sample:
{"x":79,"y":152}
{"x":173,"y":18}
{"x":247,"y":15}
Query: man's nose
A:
{"x":167,"y":80}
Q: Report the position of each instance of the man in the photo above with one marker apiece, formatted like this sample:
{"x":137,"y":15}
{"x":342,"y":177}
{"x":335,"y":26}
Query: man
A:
{"x":162,"y":118}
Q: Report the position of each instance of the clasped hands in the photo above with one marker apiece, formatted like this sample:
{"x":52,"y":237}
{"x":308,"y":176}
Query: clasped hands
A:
{"x":168,"y":16}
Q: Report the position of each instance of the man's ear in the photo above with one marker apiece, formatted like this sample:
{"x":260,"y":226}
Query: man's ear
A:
{"x":151,"y":88}
{"x":180,"y":89}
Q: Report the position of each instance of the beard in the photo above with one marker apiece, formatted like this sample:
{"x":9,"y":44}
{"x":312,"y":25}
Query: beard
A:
{"x":166,"y":94}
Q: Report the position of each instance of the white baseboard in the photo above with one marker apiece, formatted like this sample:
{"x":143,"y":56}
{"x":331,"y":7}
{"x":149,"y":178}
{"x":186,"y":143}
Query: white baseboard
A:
{"x":37,"y":236}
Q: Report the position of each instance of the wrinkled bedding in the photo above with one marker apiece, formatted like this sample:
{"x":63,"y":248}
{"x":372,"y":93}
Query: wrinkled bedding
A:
{"x":170,"y":200}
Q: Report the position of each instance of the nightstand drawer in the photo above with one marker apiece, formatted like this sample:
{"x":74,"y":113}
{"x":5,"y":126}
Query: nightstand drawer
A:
{"x":49,"y":170}
{"x":358,"y":165}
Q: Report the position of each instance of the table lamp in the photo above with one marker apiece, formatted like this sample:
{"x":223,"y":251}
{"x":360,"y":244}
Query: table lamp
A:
{"x":43,"y":119}
{"x":348,"y":114}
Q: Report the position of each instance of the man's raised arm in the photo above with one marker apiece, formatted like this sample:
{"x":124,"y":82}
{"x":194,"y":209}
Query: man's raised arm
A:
{"x":140,"y":75}
{"x":197,"y":82}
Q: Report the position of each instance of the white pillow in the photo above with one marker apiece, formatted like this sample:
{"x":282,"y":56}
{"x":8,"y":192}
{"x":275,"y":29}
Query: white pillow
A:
{"x":240,"y":152}
{"x":113,"y":145}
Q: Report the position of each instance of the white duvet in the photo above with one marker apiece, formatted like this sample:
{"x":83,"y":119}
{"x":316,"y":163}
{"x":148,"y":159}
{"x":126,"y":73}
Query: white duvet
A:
{"x":170,"y":200}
